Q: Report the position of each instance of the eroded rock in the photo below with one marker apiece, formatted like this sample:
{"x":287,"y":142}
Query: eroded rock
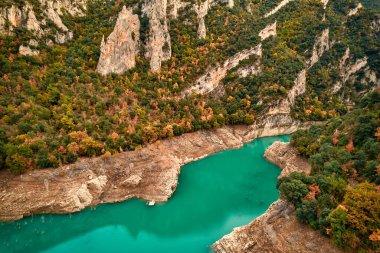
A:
{"x":158,"y":46}
{"x":119,"y":53}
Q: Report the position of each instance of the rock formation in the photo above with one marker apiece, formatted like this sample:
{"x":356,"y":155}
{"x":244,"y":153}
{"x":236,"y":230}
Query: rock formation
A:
{"x":277,"y":8}
{"x":278,"y":229}
{"x":324,"y":2}
{"x":347,"y":69}
{"x":269,"y":30}
{"x":321,"y":45}
{"x":208,"y":82}
{"x":26,"y":50}
{"x":355,"y":10}
{"x":201,"y":10}
{"x":174,"y":6}
{"x":119,"y":53}
{"x":158,"y":46}
{"x":150,"y":173}
{"x":13,"y":16}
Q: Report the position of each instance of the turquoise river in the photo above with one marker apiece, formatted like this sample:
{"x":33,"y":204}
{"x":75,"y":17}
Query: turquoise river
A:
{"x":214,"y":195}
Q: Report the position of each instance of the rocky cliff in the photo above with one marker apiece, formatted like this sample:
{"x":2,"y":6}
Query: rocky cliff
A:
{"x":278,"y":229}
{"x":24,"y":15}
{"x":158,"y":46}
{"x":150,"y":173}
{"x":119,"y":53}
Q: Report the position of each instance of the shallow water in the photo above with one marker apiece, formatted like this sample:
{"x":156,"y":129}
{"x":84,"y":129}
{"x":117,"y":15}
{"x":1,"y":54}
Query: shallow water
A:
{"x":214,"y":195}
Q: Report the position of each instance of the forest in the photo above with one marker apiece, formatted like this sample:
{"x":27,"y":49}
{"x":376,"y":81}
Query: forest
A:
{"x":341,"y":197}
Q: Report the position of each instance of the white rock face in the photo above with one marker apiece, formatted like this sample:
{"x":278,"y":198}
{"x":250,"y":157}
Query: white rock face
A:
{"x":250,"y":70}
{"x":26,"y":50}
{"x":202,"y":29}
{"x":208,"y":82}
{"x":269,"y":30}
{"x":12,"y":17}
{"x":355,"y":10}
{"x":321,"y":45}
{"x":174,"y":6}
{"x":119,"y":53}
{"x":298,"y":88}
{"x":283,"y":106}
{"x":347,"y":69}
{"x":277,"y":8}
{"x":201,"y":10}
{"x":158,"y":46}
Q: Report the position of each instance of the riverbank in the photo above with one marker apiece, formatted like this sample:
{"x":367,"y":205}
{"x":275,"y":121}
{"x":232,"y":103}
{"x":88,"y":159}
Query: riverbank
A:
{"x":150,"y":173}
{"x":278,"y":229}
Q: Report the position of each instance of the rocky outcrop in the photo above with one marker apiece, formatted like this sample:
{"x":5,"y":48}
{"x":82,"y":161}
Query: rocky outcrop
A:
{"x":119,"y":53}
{"x":355,"y":10}
{"x":26,"y":50}
{"x":278,"y":229}
{"x":321,"y":45}
{"x":347,"y":69}
{"x":277,"y":8}
{"x":16,"y":16}
{"x":149,"y":173}
{"x":208,"y":82}
{"x":211,"y":80}
{"x":269,"y":30}
{"x":324,"y":2}
{"x":158,"y":45}
{"x":285,"y":156}
{"x":174,"y":6}
{"x":201,"y":10}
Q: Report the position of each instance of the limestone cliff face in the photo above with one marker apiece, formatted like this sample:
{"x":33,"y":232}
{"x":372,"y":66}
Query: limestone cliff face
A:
{"x":321,"y":45}
{"x":347,"y":69}
{"x":13,"y":16}
{"x":211,"y":80}
{"x":201,"y":10}
{"x":269,"y":30}
{"x":119,"y":53}
{"x":278,"y":229}
{"x":277,"y":8}
{"x":208,"y":82}
{"x":158,"y":46}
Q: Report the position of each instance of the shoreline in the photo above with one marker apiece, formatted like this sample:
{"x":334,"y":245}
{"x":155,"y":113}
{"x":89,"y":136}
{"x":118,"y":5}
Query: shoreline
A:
{"x":150,"y":173}
{"x":278,"y":229}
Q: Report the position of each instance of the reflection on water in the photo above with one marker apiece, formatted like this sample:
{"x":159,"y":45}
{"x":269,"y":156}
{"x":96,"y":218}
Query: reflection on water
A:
{"x":214,"y":195}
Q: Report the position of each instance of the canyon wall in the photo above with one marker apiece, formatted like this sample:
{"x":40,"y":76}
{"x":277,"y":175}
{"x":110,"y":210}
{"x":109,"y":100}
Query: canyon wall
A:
{"x":119,"y":53}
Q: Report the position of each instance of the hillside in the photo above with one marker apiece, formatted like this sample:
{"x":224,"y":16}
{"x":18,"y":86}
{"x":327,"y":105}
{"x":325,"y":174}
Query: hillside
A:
{"x":189,"y":68}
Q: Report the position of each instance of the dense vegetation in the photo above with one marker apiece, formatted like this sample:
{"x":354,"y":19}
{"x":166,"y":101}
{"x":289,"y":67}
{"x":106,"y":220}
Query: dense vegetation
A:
{"x":55,"y":108}
{"x":341,"y":197}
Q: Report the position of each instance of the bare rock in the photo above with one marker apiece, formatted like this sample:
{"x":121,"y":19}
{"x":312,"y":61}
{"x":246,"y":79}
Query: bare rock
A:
{"x":269,"y":30}
{"x":285,"y":156}
{"x":26,"y":50}
{"x":278,"y":229}
{"x":210,"y":81}
{"x":119,"y":53}
{"x":158,"y":46}
{"x":150,"y":173}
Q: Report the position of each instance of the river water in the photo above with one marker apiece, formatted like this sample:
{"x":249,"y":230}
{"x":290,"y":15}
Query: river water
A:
{"x":214,"y":195}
